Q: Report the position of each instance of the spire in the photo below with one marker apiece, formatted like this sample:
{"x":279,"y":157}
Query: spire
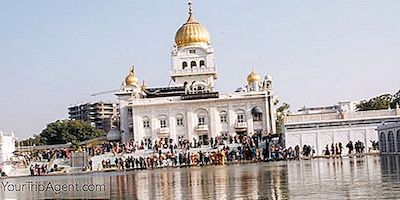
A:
{"x":144,"y":86}
{"x":190,"y":7}
{"x":191,"y":18}
{"x":132,"y":70}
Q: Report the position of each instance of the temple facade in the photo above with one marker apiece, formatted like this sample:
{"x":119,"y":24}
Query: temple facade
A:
{"x":192,"y":108}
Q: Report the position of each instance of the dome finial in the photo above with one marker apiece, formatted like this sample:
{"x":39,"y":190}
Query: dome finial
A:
{"x":144,"y":86}
{"x":191,"y":18}
{"x":190,"y":3}
{"x":132,"y":69}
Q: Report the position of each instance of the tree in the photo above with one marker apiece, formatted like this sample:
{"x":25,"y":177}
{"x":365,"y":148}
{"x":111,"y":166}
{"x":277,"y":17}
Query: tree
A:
{"x":280,"y":116}
{"x":376,"y":103}
{"x":64,"y":131}
{"x":33,"y":141}
{"x":396,"y":101}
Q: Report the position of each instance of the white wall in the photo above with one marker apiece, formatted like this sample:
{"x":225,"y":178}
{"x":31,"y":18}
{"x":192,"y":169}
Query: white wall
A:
{"x":7,"y":147}
{"x":319,"y":138}
{"x":189,"y":111}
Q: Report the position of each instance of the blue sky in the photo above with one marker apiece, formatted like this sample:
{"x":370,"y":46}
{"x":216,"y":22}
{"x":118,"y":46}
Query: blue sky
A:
{"x":56,"y":53}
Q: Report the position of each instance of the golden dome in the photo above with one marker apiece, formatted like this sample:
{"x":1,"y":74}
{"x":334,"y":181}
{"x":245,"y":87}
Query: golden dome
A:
{"x":253,"y":77}
{"x":131,"y":79}
{"x":191,"y":32}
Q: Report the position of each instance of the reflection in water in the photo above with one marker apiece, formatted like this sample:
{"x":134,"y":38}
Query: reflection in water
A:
{"x":312,"y":179}
{"x":390,"y":165}
{"x":216,"y":182}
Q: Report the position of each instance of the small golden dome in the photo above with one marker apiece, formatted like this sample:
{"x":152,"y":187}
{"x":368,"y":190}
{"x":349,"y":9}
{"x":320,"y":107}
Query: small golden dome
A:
{"x":253,"y":77}
{"x":191,"y":32}
{"x":131,"y":79}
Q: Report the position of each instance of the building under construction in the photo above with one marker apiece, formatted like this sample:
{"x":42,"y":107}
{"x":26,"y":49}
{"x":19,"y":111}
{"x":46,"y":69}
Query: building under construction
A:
{"x":98,"y":114}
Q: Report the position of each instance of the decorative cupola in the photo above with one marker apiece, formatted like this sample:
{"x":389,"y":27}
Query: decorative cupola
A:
{"x":131,"y":79}
{"x":253,"y":81}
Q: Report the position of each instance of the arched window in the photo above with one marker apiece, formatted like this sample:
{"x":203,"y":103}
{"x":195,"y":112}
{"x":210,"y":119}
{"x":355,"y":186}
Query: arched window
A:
{"x":193,"y":64}
{"x":146,"y":122}
{"x":202,"y":63}
{"x":257,"y":113}
{"x":223,"y":116}
{"x":391,"y":142}
{"x":398,"y":140}
{"x":241,"y":116}
{"x":200,"y":89}
{"x":179,"y":120}
{"x":163,"y":121}
{"x":202,"y":118}
{"x":184,"y":65}
{"x":382,"y":140}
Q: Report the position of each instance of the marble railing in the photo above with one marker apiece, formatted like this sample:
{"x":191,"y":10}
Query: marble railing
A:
{"x":193,"y":70}
{"x":341,"y":115}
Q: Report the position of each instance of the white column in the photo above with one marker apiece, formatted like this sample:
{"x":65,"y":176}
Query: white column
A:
{"x":318,"y":149}
{"x":213,"y":122}
{"x":273,"y":114}
{"x":264,"y":119}
{"x":249,"y":119}
{"x":190,"y":124}
{"x":266,"y":115}
{"x":137,"y":136}
{"x":231,"y":118}
{"x":124,"y":122}
{"x":154,"y":125}
{"x":172,"y":125}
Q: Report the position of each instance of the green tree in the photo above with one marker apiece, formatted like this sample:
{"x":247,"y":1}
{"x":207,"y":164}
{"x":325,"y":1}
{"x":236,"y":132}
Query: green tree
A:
{"x":377,"y":103}
{"x":64,"y":131}
{"x":280,"y":116}
{"x":396,"y":100}
{"x":33,"y":141}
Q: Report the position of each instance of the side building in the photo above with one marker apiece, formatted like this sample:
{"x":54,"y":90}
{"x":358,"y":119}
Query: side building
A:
{"x":7,"y":146}
{"x":98,"y":114}
{"x":389,"y":138}
{"x":192,"y":109}
{"x":341,"y":124}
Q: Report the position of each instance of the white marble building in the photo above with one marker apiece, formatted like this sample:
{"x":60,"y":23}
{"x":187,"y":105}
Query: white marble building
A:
{"x":325,"y":128}
{"x":192,"y":108}
{"x":389,"y":138}
{"x":7,"y":146}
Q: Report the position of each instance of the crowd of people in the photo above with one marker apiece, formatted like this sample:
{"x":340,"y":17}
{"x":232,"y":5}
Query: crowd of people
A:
{"x":187,"y":154}
{"x":45,"y":155}
{"x":164,"y":152}
{"x":335,"y":149}
{"x":38,"y":170}
{"x":358,"y":146}
{"x":184,"y":154}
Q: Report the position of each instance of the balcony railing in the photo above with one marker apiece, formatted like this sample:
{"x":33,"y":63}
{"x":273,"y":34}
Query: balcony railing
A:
{"x":202,"y":127}
{"x":318,"y":117}
{"x":193,"y":70}
{"x":240,"y":125}
{"x":163,"y":130}
{"x":207,"y":95}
